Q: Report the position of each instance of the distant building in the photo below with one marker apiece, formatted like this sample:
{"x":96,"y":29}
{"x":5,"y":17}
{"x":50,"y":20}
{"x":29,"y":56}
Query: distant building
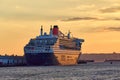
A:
{"x":112,"y":61}
{"x":100,"y":57}
{"x":12,"y":60}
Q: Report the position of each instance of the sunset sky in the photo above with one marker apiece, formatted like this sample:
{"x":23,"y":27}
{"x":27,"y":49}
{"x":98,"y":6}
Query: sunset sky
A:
{"x":96,"y":21}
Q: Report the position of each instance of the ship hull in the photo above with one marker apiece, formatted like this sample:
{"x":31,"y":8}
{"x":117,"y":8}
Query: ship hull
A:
{"x":47,"y":59}
{"x":41,"y":59}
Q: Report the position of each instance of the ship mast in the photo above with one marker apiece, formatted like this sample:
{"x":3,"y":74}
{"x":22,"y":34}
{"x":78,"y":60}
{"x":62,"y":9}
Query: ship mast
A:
{"x":51,"y":30}
{"x":41,"y":31}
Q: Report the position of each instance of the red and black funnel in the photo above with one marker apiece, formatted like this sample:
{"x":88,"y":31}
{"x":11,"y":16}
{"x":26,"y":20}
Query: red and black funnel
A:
{"x":55,"y":30}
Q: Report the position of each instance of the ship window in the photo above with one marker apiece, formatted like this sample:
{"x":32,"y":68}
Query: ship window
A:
{"x":40,"y":41}
{"x":45,"y":41}
{"x":32,"y":43}
{"x":63,"y":57}
{"x":69,"y":56}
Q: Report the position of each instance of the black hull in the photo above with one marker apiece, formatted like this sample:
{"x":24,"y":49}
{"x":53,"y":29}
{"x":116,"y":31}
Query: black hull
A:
{"x":41,"y":59}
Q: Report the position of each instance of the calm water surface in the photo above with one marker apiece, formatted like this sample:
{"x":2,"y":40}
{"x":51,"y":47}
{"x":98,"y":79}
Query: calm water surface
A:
{"x":96,"y":71}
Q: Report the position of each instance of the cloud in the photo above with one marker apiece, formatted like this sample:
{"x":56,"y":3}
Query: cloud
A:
{"x":89,"y":18}
{"x":106,"y":29}
{"x":117,"y":19}
{"x":101,"y":29}
{"x":110,"y":10}
{"x":80,"y":18}
{"x":113,"y":28}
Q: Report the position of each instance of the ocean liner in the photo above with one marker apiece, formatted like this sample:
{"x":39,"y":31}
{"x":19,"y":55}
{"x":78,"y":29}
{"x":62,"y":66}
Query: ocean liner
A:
{"x":54,"y":48}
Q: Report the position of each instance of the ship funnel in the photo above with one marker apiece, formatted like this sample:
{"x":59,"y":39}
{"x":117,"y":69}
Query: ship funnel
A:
{"x":41,"y":31}
{"x":55,"y":30}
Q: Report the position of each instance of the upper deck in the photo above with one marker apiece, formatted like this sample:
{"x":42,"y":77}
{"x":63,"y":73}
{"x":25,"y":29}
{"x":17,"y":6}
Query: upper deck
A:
{"x":48,"y":40}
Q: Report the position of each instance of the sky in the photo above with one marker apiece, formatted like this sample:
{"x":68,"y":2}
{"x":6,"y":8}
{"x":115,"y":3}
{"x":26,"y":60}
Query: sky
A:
{"x":96,"y":21}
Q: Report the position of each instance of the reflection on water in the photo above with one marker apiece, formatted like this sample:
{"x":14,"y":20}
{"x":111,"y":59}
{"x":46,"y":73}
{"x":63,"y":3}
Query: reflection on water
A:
{"x":96,"y":71}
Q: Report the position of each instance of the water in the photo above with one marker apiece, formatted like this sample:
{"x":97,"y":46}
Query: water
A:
{"x":96,"y":71}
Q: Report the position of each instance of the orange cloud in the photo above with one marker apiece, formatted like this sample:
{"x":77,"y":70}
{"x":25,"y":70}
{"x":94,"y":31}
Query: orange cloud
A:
{"x":110,"y":9}
{"x":80,"y":18}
